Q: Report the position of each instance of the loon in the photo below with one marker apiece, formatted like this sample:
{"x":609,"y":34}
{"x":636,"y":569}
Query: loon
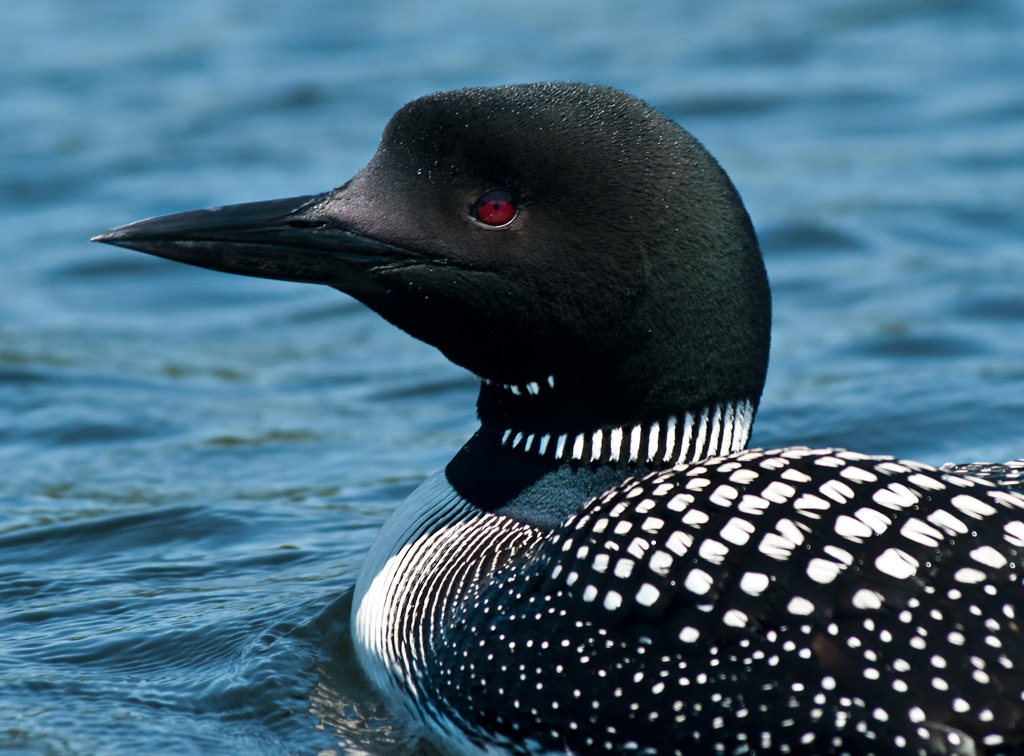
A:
{"x":605,"y":567}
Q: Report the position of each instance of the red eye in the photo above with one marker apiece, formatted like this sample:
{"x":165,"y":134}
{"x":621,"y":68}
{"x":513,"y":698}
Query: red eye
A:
{"x":496,"y":207}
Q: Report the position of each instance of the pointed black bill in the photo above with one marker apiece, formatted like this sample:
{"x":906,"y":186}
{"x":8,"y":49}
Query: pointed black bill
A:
{"x":290,"y":239}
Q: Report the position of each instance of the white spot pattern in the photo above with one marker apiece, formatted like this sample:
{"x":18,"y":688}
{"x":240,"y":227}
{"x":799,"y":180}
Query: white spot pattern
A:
{"x":661,"y":595}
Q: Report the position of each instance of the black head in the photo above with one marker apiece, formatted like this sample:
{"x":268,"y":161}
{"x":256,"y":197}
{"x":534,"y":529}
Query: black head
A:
{"x":611,"y":256}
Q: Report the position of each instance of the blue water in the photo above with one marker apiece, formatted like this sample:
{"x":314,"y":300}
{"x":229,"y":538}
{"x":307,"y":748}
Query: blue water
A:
{"x":193,"y":465}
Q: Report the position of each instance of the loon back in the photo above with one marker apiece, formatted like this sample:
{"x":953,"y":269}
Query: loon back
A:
{"x":604,"y":567}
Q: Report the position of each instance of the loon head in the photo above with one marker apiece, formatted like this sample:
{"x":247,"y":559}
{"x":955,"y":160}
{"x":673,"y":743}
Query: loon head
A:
{"x":577,"y":250}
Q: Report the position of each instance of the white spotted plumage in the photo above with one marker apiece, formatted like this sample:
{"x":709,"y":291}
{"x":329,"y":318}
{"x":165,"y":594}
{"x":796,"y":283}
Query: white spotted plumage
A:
{"x":823,"y":582}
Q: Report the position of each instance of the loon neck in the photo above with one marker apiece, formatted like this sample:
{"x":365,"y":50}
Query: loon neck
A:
{"x":660,"y":441}
{"x":541,"y":477}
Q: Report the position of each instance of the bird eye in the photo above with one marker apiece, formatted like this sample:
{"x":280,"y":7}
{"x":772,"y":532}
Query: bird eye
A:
{"x":495,"y":208}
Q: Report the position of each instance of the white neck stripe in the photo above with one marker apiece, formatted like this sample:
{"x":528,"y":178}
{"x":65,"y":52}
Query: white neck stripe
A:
{"x":616,"y":442}
{"x":717,"y":430}
{"x":532,"y":388}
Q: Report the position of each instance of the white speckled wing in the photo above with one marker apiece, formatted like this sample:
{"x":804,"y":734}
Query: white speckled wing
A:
{"x":793,"y":600}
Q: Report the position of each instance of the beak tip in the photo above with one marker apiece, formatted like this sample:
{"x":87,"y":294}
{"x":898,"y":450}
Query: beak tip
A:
{"x":113,"y":236}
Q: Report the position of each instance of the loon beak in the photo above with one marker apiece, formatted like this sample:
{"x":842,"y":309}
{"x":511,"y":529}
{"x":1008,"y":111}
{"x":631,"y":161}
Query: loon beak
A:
{"x":290,"y":239}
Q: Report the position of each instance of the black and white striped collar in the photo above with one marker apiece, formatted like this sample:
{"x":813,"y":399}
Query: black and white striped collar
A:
{"x":717,"y":429}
